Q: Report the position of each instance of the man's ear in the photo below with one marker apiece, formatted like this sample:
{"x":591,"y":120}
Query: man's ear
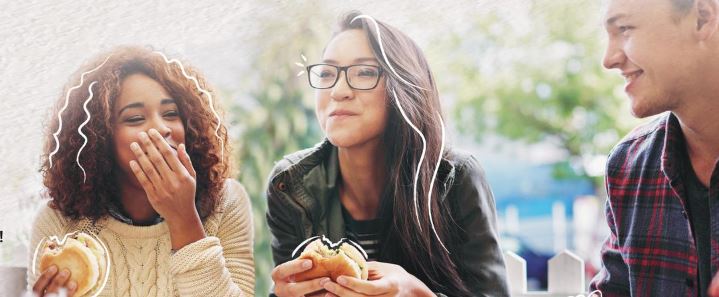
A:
{"x":707,"y":18}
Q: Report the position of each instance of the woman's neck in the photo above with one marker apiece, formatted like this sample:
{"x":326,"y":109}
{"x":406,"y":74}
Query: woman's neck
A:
{"x":364,"y":176}
{"x":135,"y":203}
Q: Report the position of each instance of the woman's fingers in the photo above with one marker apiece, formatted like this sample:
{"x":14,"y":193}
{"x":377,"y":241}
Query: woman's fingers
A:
{"x":339,"y":290}
{"x":167,"y":152}
{"x":58,"y":281}
{"x":71,"y":288}
{"x":303,"y":288}
{"x":157,"y":158}
{"x":142,"y":178}
{"x":44,"y":280}
{"x":146,"y":165}
{"x":365,"y":287}
{"x":185,"y":159}
{"x":283,"y":271}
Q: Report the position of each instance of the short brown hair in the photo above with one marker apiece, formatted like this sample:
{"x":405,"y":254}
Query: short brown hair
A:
{"x":77,"y":197}
{"x":682,"y":6}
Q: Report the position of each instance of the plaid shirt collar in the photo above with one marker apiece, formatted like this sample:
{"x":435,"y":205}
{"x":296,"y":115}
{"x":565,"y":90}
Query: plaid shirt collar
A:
{"x":673,"y":155}
{"x":674,"y":158}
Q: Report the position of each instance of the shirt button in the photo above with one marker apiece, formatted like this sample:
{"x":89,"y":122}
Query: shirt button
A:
{"x":690,"y":282}
{"x":684,"y":213}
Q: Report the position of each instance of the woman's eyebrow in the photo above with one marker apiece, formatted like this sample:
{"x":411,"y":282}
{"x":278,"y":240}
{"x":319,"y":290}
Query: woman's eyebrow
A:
{"x":358,"y":60}
{"x":141,"y":105}
{"x":132,"y":105}
{"x":367,"y":59}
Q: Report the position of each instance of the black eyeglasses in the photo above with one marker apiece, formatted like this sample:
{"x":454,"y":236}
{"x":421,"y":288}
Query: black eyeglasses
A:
{"x":359,"y":76}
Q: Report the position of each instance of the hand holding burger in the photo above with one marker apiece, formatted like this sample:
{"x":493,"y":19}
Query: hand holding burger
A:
{"x":318,"y":261}
{"x":81,"y":261}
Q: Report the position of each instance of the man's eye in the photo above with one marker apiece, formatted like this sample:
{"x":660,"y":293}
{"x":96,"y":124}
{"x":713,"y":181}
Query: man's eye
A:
{"x":624,"y":29}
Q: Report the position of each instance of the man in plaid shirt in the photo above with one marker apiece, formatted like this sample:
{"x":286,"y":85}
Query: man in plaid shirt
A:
{"x":661,"y":179}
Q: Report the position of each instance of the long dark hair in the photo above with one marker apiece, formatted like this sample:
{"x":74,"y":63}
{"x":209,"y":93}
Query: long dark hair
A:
{"x":413,"y":247}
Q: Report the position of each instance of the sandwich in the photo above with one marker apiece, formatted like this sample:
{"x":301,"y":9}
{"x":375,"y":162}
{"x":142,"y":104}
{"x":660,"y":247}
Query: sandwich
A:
{"x":332,"y":260}
{"x":82,"y":255}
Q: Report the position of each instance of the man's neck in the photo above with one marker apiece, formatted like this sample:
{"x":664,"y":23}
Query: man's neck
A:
{"x":701,"y":133}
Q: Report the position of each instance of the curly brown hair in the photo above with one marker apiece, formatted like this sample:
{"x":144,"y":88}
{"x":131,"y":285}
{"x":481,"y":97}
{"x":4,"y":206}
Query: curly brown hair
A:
{"x":77,"y":197}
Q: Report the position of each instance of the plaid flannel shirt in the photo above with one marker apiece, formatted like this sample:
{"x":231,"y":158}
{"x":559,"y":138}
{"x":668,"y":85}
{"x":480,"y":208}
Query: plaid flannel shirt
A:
{"x":651,"y":250}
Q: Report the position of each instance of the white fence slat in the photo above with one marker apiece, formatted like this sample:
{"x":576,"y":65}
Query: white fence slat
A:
{"x":566,"y":274}
{"x":516,"y":273}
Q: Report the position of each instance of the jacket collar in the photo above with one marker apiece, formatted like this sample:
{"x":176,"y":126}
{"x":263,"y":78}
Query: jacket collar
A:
{"x":319,"y":171}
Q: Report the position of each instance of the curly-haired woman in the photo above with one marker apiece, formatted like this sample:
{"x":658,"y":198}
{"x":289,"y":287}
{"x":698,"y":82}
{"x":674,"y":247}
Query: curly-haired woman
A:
{"x":136,"y":155}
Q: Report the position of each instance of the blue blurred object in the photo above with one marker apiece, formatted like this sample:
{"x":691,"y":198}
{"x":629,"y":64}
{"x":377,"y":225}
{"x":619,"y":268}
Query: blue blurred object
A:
{"x":533,"y":191}
{"x":534,"y":188}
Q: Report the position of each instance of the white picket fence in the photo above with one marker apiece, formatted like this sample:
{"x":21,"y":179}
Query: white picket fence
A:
{"x":565,"y":276}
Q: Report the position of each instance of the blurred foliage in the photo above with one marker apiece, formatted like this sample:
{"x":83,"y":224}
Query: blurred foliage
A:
{"x":272,"y":114}
{"x":535,"y":75}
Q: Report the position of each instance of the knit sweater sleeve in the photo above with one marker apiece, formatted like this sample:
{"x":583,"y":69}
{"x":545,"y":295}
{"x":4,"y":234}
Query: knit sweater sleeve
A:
{"x":48,"y":222}
{"x":221,"y":265}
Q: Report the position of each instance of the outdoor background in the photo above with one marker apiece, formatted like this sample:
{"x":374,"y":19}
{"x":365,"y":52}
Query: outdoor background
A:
{"x":521,"y":85}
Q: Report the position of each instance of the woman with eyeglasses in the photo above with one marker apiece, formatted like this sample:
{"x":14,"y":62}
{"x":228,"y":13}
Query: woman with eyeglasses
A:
{"x":136,"y":155}
{"x":437,"y":236}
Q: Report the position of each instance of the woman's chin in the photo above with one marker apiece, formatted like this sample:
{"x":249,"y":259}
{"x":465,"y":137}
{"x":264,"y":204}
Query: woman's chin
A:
{"x":342,"y":139}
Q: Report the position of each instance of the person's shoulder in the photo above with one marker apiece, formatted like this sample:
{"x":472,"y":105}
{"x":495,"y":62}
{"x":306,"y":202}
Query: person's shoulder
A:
{"x":464,"y":163}
{"x":233,"y":211}
{"x":234,"y":194}
{"x":50,"y":219}
{"x":302,"y":159}
{"x":468,"y":176}
{"x":644,"y":142}
{"x":289,"y":160}
{"x":645,"y":130}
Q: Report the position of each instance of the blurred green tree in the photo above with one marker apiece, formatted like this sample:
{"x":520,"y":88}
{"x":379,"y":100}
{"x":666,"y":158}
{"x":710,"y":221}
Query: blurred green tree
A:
{"x":534,"y":74}
{"x":272,"y":113}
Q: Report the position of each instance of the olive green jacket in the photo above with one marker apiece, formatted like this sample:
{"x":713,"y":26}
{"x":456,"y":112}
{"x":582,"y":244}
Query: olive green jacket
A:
{"x":302,"y":203}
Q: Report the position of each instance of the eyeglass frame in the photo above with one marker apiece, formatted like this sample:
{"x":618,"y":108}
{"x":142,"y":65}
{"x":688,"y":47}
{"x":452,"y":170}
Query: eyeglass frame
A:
{"x":340,"y":69}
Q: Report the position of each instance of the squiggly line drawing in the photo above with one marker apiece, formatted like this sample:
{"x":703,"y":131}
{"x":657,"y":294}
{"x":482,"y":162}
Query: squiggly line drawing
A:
{"x":67,"y":100}
{"x":421,"y":135}
{"x":431,"y":183}
{"x":421,"y":156}
{"x":381,"y":48}
{"x":79,"y":130}
{"x":209,"y":98}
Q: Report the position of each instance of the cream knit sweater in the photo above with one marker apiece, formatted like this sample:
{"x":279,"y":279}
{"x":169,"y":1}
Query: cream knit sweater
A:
{"x":221,"y":264}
